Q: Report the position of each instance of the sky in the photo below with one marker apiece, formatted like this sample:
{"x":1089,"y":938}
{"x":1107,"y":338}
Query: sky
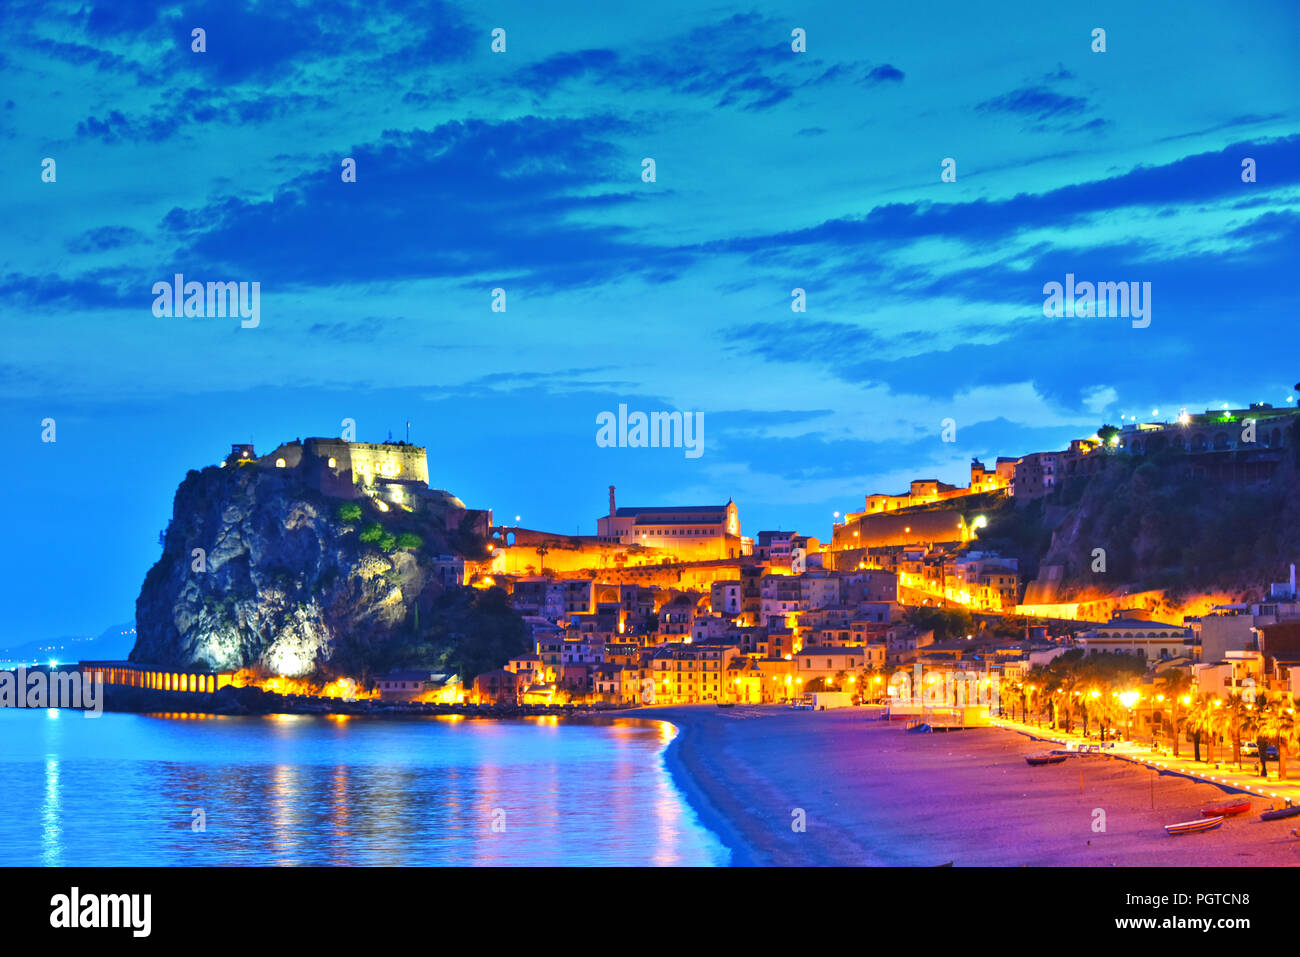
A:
{"x":522,"y":170}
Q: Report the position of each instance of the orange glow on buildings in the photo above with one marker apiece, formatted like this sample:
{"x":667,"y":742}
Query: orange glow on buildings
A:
{"x":345,"y":689}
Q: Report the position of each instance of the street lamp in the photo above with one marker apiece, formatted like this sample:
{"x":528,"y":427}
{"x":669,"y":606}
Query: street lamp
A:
{"x":1128,"y":699}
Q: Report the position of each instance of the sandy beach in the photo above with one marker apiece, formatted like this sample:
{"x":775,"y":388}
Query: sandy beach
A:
{"x":873,"y":794}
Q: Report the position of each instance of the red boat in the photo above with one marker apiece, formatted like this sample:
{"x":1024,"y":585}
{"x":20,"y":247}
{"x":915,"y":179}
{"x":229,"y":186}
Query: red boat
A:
{"x":1192,"y":827}
{"x":1227,"y":810}
{"x":1037,"y":759}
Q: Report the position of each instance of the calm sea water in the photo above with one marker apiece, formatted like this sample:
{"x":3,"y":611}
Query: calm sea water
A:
{"x":122,"y":790}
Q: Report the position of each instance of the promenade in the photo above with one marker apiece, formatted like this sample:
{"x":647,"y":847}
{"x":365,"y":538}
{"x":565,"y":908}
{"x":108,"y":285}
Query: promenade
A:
{"x":1221,"y":771}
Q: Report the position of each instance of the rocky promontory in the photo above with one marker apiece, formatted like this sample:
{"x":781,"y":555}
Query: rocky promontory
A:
{"x":262,"y":570}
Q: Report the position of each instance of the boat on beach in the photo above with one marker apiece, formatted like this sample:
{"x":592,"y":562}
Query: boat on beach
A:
{"x":1036,"y":759}
{"x":1281,"y":812}
{"x":1192,"y":827}
{"x":1227,"y":809}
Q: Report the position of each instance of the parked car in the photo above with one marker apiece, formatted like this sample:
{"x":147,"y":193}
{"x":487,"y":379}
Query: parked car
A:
{"x":1249,"y":749}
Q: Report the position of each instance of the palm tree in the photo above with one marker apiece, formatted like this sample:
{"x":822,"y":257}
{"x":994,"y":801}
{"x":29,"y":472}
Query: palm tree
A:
{"x":1192,"y":724}
{"x":1085,"y":708}
{"x":1252,"y":725}
{"x":1199,"y":721}
{"x":1275,"y":724}
{"x":1066,"y":689}
{"x":1234,"y":717}
{"x":1011,"y":686}
{"x":1039,"y":679}
{"x":1213,"y":723}
{"x":1286,"y":732}
{"x":1177,"y":685}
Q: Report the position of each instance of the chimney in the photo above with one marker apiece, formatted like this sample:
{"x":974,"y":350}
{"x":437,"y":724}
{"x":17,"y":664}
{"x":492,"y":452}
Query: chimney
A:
{"x":611,"y":515}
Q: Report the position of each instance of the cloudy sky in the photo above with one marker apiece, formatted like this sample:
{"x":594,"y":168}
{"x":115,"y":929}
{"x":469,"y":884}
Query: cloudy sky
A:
{"x":522,"y":170}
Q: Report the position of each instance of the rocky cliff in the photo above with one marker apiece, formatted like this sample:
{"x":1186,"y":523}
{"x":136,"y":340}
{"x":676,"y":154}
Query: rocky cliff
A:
{"x":288,"y":580}
{"x":1156,"y":523}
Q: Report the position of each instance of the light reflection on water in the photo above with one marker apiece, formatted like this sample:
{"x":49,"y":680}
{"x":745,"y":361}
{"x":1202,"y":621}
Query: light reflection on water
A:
{"x":121,"y":790}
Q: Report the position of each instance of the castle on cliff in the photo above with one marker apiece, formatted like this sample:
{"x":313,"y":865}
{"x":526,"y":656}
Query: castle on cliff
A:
{"x":392,"y":473}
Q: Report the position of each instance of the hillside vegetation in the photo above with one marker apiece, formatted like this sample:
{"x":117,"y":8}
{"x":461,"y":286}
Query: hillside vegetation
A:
{"x":1159,"y":527}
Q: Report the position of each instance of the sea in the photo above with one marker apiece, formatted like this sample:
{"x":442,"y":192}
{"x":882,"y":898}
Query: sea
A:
{"x":172,"y":790}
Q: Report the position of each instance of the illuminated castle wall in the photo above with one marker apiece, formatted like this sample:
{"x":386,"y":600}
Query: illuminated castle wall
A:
{"x":930,"y":491}
{"x":901,"y":528}
{"x":371,"y":462}
{"x":345,"y":469}
{"x":395,"y":472}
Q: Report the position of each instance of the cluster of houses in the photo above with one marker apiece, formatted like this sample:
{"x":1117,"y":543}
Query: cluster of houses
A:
{"x":763,"y":636}
{"x":975,"y":578}
{"x":773,"y":636}
{"x":1249,"y":647}
{"x":673,"y":605}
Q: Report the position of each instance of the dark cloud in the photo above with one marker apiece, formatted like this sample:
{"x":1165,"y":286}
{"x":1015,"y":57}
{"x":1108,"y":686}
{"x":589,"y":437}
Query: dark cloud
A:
{"x":194,"y":106}
{"x":1201,"y":303}
{"x":106,"y":237}
{"x":1192,"y":179}
{"x":246,"y":41}
{"x":885,"y":73}
{"x":1036,"y":102}
{"x":743,"y":62}
{"x":463,"y":199}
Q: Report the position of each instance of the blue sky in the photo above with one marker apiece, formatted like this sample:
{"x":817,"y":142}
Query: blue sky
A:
{"x":522,"y":170}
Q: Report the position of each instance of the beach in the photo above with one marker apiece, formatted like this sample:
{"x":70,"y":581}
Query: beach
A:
{"x":869,"y":793}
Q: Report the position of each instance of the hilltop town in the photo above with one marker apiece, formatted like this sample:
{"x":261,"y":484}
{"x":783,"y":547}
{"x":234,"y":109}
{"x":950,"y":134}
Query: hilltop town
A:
{"x":675,"y":605}
{"x":327,"y":559}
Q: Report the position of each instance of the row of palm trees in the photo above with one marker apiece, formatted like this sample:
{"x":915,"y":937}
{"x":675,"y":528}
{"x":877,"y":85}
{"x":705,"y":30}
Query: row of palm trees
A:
{"x":1100,"y":691}
{"x":1269,"y":720}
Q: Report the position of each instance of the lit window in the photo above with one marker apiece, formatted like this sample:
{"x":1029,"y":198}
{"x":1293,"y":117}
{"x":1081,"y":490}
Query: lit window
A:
{"x":279,"y":463}
{"x":332,"y":462}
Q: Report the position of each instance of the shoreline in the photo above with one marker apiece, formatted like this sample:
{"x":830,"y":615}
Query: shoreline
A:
{"x":743,"y":854}
{"x":874,"y":795}
{"x":781,"y":787}
{"x":253,"y":701}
